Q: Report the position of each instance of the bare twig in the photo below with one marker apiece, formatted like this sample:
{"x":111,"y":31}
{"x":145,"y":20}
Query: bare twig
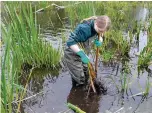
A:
{"x":28,"y":97}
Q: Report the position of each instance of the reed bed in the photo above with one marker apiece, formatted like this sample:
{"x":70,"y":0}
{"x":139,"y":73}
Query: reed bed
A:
{"x":22,"y":45}
{"x":27,"y":45}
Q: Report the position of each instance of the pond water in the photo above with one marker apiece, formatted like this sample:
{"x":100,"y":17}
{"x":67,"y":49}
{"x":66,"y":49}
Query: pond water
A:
{"x":53,"y":88}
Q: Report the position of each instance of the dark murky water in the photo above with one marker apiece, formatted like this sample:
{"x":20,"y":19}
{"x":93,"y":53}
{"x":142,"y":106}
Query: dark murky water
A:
{"x":54,"y":87}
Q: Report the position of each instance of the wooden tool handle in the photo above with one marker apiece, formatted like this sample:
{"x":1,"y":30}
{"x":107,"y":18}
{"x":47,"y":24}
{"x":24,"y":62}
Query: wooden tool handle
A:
{"x":97,"y":55}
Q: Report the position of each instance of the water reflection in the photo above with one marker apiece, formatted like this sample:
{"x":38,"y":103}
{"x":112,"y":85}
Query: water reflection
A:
{"x":51,"y":19}
{"x":142,"y":41}
{"x":141,"y":14}
{"x":36,"y":90}
{"x":39,"y":75}
{"x":53,"y":23}
{"x":78,"y":97}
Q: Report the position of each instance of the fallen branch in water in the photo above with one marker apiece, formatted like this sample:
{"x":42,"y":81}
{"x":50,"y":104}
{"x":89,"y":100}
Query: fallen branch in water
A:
{"x":27,"y":97}
{"x":138,"y":94}
{"x":42,"y":9}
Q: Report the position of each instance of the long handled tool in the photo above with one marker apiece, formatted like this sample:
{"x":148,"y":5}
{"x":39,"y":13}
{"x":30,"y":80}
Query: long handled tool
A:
{"x":92,"y":72}
{"x":92,"y":76}
{"x":97,"y":55}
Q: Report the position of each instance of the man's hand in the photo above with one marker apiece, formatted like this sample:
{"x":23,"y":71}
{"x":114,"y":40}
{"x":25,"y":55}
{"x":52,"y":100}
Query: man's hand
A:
{"x":84,"y":57}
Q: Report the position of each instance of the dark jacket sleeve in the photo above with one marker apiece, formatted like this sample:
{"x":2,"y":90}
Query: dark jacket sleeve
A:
{"x":80,"y":34}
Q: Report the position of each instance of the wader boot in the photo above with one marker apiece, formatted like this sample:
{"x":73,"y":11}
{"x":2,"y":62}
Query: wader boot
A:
{"x":78,"y":70}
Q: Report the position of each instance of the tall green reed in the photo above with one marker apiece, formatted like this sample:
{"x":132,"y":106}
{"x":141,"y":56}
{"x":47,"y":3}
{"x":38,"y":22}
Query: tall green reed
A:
{"x":22,"y":44}
{"x":115,"y":44}
{"x":8,"y":73}
{"x":80,"y":11}
{"x":26,"y":40}
{"x":145,"y":57}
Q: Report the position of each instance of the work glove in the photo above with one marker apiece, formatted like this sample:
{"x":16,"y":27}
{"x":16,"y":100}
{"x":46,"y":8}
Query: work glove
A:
{"x":84,"y":57}
{"x":97,"y":42}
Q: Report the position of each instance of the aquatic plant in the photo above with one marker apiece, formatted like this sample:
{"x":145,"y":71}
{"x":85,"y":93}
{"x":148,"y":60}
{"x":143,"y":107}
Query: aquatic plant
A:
{"x":150,"y":30}
{"x":115,"y":45}
{"x":27,"y":45}
{"x":10,"y":88}
{"x":147,"y":88}
{"x":124,"y":76}
{"x":22,"y":44}
{"x":107,"y":55}
{"x":145,"y":91}
{"x":79,"y":11}
{"x":145,"y":57}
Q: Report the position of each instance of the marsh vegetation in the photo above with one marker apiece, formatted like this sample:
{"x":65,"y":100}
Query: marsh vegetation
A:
{"x":33,"y":40}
